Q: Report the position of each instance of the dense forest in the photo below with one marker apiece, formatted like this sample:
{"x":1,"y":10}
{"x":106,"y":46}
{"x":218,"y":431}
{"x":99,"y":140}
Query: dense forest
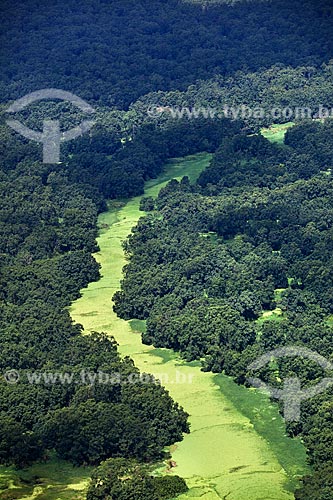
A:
{"x":103,"y":51}
{"x":278,"y":87}
{"x":48,"y":232}
{"x":253,"y":235}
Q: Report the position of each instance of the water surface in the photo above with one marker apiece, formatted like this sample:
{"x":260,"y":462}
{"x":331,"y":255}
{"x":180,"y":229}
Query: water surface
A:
{"x":237,"y":448}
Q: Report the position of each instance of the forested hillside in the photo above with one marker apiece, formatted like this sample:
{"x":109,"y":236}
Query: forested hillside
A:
{"x":280,"y":88}
{"x":103,"y":50}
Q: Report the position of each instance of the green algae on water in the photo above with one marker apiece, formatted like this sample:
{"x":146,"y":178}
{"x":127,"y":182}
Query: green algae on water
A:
{"x":227,"y":454}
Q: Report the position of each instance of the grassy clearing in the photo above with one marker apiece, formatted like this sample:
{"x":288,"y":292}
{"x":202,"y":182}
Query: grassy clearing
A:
{"x":276,"y":133}
{"x":54,"y":480}
{"x":277,"y":313}
{"x":329,"y":320}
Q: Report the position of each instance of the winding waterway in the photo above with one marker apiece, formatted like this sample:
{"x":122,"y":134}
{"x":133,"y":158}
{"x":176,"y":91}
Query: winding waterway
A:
{"x":237,"y":448}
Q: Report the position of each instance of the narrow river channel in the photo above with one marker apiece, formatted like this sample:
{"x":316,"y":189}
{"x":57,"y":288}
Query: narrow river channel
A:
{"x":237,"y":448}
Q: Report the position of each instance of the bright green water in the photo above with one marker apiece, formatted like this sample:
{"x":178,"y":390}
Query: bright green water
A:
{"x":237,"y":448}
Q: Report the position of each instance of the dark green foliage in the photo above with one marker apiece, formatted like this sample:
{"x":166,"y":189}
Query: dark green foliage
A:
{"x":313,"y":140}
{"x":101,"y":166}
{"x":48,"y":226}
{"x":254,"y":97}
{"x":243,"y":161}
{"x":113,"y":53}
{"x":17,"y":444}
{"x":207,"y":260}
{"x":123,"y":173}
{"x":317,"y":487}
{"x":122,"y":479}
{"x":147,"y":204}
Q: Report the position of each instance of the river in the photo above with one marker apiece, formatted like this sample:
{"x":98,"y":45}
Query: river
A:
{"x":237,"y":448}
